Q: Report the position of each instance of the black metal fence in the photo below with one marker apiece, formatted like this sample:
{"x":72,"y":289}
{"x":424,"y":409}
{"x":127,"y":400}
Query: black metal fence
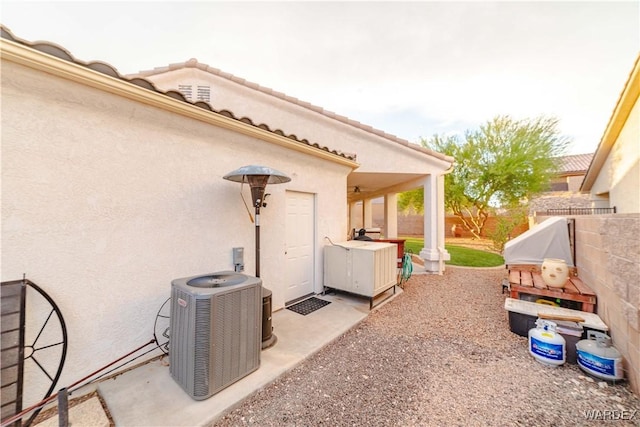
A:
{"x":581,"y":211}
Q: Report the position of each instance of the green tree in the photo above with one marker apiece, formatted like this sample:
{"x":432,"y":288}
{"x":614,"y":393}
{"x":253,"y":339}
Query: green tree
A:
{"x":501,"y":164}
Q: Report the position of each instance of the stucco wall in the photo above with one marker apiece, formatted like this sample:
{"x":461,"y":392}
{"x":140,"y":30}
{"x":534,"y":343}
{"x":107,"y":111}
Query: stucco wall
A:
{"x":620,"y":174}
{"x":608,"y":261}
{"x":106,"y":200}
{"x":574,"y":182}
{"x":372,"y":150}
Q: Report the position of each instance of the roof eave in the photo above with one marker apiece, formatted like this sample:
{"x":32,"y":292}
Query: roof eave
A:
{"x":628,"y":97}
{"x":35,"y":59}
{"x":193,"y":63}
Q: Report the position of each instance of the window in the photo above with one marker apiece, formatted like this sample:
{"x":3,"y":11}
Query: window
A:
{"x":559,"y":186}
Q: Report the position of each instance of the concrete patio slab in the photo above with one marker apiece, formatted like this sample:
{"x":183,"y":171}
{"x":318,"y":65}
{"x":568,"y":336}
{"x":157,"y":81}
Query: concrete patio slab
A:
{"x":148,"y":396}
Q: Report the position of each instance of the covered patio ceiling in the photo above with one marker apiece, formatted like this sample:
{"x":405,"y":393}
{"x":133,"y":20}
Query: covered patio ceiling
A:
{"x":369,"y":185}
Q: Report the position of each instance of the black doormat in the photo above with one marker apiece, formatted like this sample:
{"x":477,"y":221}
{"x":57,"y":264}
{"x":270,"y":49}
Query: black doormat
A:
{"x":308,"y":306}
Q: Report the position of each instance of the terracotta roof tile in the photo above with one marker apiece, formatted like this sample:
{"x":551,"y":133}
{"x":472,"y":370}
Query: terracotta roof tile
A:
{"x":330,"y":114}
{"x":104,"y":68}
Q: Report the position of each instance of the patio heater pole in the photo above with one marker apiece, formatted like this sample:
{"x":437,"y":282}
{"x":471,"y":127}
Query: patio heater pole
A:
{"x":258,"y":184}
{"x":258,"y":177}
{"x":257,"y":242}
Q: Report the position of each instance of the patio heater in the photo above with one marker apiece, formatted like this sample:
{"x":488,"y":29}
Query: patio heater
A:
{"x":258,"y":177}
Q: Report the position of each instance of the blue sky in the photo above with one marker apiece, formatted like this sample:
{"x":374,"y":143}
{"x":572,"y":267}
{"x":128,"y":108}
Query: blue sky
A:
{"x":410,"y":69}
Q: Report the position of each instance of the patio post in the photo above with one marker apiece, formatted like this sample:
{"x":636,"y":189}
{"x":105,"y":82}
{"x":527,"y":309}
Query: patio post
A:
{"x":391,"y":216}
{"x":433,"y":253}
{"x":367,"y":213}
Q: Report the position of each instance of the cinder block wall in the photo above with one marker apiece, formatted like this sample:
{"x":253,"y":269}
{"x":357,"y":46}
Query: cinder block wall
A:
{"x":608,"y":260}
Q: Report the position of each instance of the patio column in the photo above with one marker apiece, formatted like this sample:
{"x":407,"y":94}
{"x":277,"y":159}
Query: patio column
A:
{"x":353,"y":216}
{"x":367,"y":213}
{"x":391,"y":216}
{"x":433,"y":252}
{"x":444,"y":254}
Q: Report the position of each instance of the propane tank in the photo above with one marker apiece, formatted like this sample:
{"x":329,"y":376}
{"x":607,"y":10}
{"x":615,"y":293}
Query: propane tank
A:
{"x":597,"y":357}
{"x":546,"y":345}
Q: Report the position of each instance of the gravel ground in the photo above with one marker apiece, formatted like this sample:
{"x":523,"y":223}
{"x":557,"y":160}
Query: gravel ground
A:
{"x":441,"y":353}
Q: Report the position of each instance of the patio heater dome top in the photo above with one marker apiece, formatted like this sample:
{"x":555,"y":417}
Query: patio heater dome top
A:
{"x":245,"y":173}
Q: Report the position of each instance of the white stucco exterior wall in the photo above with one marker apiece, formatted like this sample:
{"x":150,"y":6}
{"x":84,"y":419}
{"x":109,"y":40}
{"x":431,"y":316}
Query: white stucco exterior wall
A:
{"x":105,"y":200}
{"x":373,"y":151}
{"x":620,"y":174}
{"x":375,"y":154}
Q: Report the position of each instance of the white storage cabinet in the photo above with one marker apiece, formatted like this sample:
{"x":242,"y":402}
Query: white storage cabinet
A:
{"x":361,"y":267}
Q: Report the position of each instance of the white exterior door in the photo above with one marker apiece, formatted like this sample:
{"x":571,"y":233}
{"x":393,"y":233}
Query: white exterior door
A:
{"x":299,"y":245}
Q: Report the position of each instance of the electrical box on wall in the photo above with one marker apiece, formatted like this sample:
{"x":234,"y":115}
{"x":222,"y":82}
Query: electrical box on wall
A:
{"x":238,"y":259}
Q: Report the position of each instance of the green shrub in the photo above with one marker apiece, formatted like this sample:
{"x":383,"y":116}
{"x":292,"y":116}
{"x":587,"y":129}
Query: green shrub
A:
{"x":505,"y":224}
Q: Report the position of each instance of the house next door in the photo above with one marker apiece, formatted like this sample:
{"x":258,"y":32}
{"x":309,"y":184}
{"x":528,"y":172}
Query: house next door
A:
{"x":300,"y":243}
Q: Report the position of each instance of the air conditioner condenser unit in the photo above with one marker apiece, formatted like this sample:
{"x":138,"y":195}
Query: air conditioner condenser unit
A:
{"x":216,"y":331}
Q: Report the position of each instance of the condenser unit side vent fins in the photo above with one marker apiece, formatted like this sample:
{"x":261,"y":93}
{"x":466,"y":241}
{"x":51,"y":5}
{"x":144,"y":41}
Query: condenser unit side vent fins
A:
{"x":215,"y":333}
{"x":202,"y":346}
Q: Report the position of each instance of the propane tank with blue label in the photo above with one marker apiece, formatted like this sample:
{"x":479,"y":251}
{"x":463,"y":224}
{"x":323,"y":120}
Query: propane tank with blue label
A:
{"x":546,"y":345}
{"x":597,"y":357}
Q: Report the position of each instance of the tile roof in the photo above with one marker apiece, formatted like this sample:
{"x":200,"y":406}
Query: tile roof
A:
{"x":193,"y":63}
{"x":576,"y":163}
{"x":104,"y":68}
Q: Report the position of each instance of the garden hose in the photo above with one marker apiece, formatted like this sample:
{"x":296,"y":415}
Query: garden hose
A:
{"x":407,"y":269}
